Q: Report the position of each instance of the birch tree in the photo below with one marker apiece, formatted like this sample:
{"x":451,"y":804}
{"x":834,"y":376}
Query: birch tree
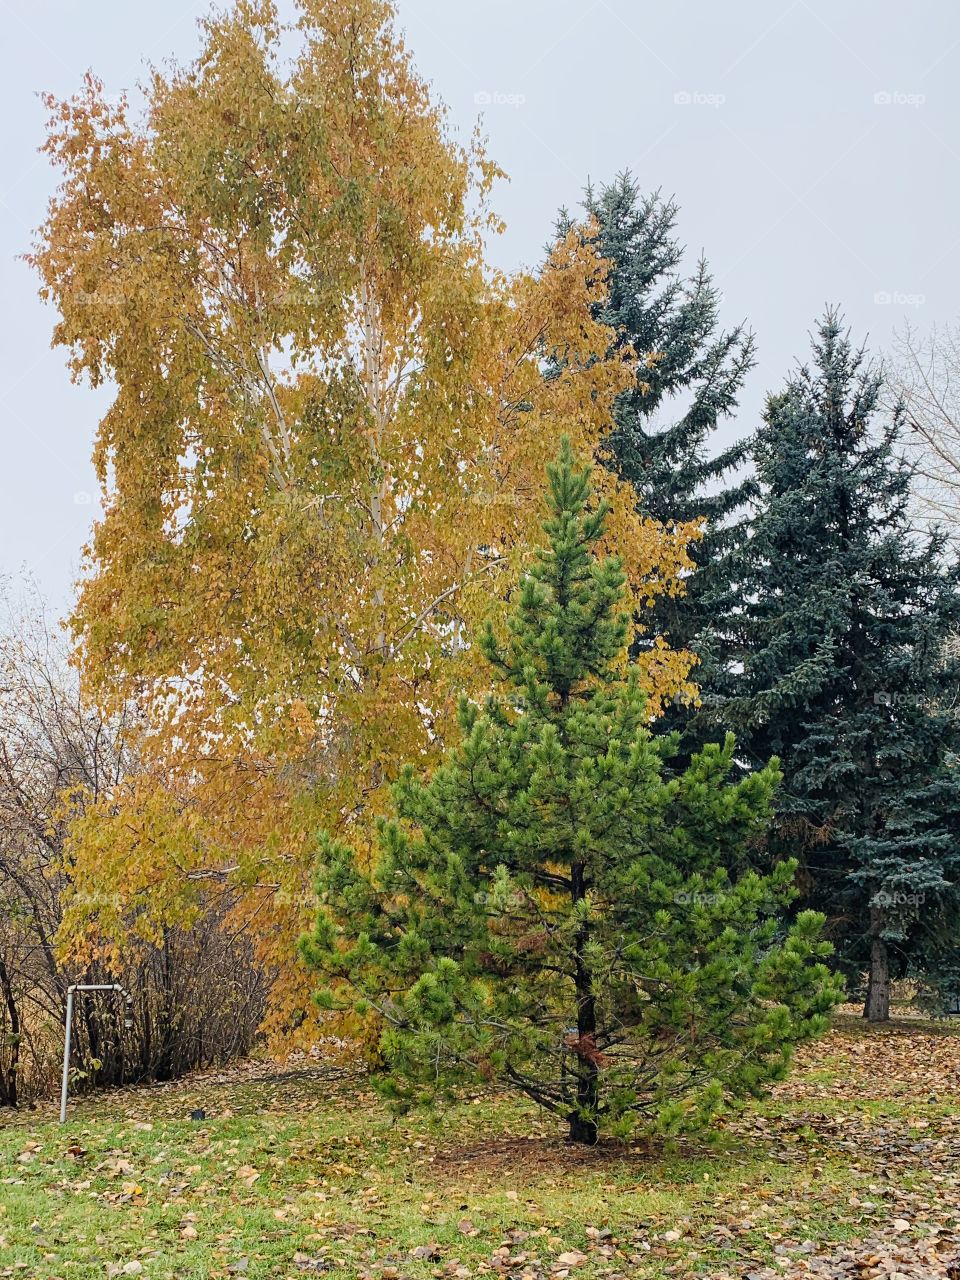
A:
{"x":321,"y":462}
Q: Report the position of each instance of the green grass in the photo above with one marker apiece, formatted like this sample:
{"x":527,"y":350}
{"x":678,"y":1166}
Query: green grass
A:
{"x":304,"y":1173}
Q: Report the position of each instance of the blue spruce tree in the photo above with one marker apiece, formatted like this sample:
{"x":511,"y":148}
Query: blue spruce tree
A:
{"x":842,"y":668}
{"x":689,"y":373}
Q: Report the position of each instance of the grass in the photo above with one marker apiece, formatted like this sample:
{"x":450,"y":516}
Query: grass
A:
{"x":303,"y":1173}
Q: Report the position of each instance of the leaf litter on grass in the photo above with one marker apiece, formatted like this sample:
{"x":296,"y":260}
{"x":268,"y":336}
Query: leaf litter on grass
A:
{"x":851,"y":1169}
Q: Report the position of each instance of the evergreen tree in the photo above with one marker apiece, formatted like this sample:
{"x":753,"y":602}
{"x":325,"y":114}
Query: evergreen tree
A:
{"x":549,"y":910}
{"x":689,"y":375}
{"x":843,"y":671}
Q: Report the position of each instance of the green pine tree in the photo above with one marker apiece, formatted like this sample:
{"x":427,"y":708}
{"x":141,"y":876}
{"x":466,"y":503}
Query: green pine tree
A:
{"x":843,"y":672}
{"x":549,"y":911}
{"x":689,"y":376}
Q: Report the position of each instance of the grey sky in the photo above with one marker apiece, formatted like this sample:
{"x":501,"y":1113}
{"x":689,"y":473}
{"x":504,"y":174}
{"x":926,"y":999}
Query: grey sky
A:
{"x":813,"y":148}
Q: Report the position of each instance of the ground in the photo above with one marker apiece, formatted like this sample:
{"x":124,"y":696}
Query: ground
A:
{"x":851,"y":1168}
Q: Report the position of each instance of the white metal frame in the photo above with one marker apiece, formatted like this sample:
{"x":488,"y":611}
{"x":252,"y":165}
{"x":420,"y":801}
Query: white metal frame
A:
{"x":68,"y":1029}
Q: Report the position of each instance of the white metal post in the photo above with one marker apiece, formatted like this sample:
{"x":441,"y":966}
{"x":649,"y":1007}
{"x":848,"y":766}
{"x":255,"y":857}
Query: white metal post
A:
{"x":65,"y":1081}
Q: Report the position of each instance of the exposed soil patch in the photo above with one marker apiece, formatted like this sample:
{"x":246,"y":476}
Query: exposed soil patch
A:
{"x":529,"y":1156}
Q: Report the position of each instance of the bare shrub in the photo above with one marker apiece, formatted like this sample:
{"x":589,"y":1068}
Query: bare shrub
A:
{"x":198,"y":998}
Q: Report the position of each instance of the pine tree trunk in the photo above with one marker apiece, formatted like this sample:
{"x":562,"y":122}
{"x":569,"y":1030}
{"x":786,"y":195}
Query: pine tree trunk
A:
{"x":877,"y":1006}
{"x":583,"y":1119}
{"x":584,"y":1131}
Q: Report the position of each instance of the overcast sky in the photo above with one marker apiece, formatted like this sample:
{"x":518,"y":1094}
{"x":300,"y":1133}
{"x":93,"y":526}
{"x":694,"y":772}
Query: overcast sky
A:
{"x":812,"y":145}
